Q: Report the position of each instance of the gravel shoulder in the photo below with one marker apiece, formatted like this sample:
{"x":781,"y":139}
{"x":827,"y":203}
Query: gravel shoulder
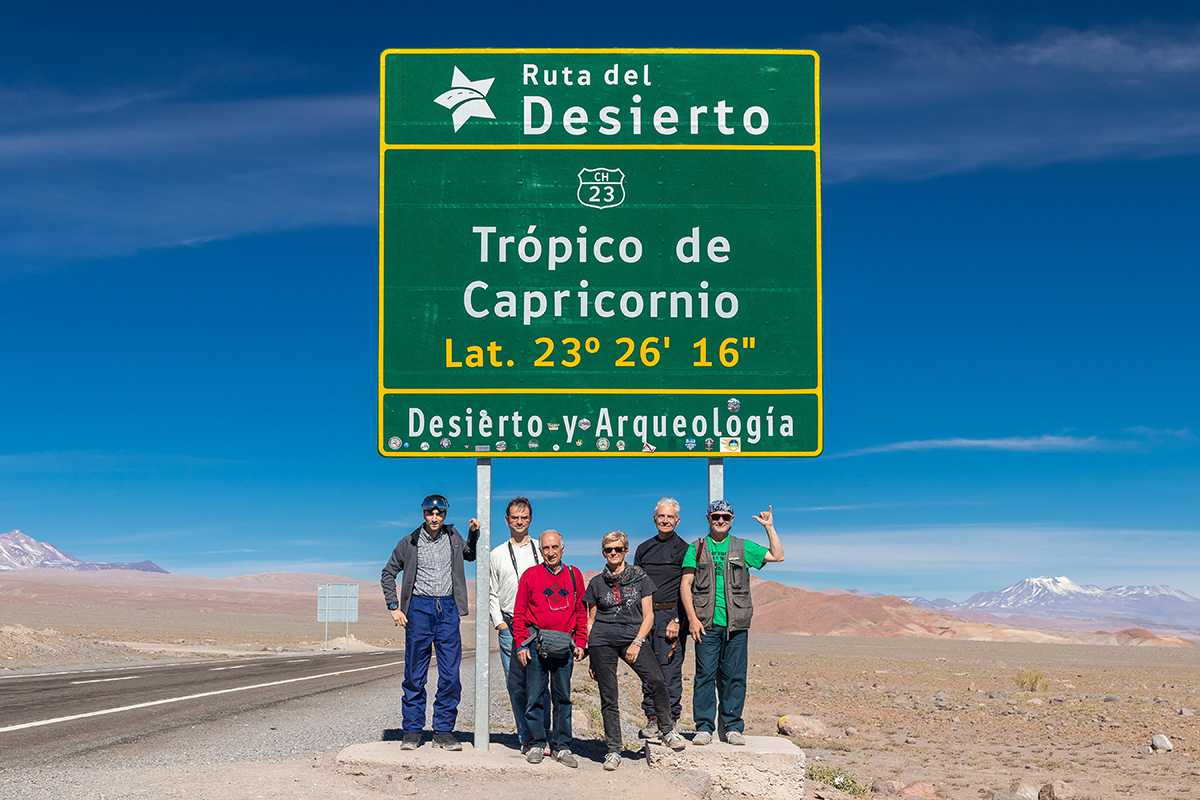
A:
{"x":946,"y":712}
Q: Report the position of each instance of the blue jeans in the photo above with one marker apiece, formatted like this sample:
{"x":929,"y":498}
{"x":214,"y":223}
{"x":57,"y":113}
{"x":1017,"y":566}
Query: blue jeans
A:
{"x":432,"y":625}
{"x":720,"y":678}
{"x":554,"y":674}
{"x":514,"y":678}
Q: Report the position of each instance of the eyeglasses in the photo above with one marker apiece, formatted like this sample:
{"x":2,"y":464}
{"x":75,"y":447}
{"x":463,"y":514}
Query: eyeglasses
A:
{"x":610,"y":550}
{"x":720,"y":517}
{"x":441,"y":512}
{"x":524,"y":518}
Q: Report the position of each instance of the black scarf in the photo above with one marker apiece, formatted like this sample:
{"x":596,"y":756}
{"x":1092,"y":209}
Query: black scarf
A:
{"x":631,"y":574}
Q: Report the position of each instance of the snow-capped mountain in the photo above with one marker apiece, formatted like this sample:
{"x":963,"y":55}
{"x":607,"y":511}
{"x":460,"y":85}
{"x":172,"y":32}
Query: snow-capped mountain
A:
{"x":1061,"y":597}
{"x":18,"y":551}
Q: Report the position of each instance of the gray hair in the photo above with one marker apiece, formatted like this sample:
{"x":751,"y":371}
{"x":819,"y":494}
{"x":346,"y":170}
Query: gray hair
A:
{"x":550,"y":532}
{"x":668,"y":501}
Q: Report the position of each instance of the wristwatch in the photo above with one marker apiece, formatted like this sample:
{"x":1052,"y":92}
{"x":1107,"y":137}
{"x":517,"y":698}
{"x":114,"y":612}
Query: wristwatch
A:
{"x":393,"y":606}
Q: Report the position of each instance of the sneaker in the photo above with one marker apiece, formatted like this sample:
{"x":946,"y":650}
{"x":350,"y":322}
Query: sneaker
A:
{"x":735,"y":737}
{"x":411,"y":741}
{"x":535,"y":755}
{"x":702,"y":738}
{"x":447,"y":741}
{"x":650,"y":732}
{"x":565,"y":758}
{"x":674,"y":741}
{"x":612,"y":761}
{"x":525,"y":747}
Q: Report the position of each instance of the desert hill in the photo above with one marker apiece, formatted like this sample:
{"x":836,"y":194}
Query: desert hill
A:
{"x":778,"y":608}
{"x":785,"y":609}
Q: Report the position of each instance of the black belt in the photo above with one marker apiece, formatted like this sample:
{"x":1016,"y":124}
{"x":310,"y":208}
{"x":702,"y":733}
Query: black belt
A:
{"x":665,"y":606}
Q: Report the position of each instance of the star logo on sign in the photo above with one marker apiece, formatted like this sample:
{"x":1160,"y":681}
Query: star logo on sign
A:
{"x":466,"y":99}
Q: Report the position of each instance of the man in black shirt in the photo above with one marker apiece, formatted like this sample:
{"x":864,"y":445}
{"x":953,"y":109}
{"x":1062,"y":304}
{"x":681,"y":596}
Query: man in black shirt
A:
{"x":661,"y":557}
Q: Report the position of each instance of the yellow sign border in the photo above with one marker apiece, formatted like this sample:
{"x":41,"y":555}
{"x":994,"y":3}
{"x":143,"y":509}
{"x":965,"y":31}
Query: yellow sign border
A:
{"x":382,"y":392}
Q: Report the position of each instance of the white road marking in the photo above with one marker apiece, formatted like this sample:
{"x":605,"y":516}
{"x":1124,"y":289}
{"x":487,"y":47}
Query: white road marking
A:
{"x":343,"y":656}
{"x":168,"y":700}
{"x":297,"y":661}
{"x":239,"y":666}
{"x":106,"y":680}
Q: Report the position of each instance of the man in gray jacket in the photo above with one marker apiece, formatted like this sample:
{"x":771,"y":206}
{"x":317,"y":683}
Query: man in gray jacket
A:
{"x":433,"y":596}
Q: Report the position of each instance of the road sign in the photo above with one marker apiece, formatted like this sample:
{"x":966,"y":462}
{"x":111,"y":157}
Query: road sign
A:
{"x":337,"y":602}
{"x":599,"y":252}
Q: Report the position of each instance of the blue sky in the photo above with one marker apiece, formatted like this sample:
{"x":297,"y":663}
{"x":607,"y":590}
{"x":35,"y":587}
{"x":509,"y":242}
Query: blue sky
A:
{"x":188,"y":285}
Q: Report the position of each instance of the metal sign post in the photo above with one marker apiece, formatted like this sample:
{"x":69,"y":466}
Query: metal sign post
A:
{"x":716,"y":479}
{"x":483,"y":575}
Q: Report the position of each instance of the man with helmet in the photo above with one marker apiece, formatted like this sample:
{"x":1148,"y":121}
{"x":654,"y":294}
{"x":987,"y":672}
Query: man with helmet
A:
{"x":432,"y":599}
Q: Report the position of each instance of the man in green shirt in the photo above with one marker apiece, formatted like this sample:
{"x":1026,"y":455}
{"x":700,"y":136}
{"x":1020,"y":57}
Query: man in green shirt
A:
{"x":716,"y":597}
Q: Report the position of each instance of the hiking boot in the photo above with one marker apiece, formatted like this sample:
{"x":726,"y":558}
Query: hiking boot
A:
{"x":612,"y":761}
{"x":674,"y":741}
{"x":447,"y":741}
{"x":735,"y":737}
{"x":702,"y":738}
{"x":650,"y":732}
{"x":565,"y":758}
{"x":411,"y":741}
{"x":535,"y":754}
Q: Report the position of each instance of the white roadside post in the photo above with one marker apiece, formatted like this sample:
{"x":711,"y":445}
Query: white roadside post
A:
{"x":483,"y":552}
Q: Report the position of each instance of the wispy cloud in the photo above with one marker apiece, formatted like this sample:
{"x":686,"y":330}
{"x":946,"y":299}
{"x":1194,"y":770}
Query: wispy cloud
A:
{"x":1145,"y":439}
{"x":917,"y":103}
{"x":115,"y":173}
{"x":132,"y":168}
{"x":868,"y":506}
{"x":996,"y":554}
{"x":535,"y":494}
{"x":69,"y":461}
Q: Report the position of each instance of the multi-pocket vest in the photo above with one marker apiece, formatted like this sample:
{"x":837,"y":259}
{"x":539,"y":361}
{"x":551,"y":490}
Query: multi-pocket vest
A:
{"x":738,"y":608}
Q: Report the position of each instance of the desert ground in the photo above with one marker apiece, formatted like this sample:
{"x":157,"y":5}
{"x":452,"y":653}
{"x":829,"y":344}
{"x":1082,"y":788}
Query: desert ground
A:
{"x":875,"y":710}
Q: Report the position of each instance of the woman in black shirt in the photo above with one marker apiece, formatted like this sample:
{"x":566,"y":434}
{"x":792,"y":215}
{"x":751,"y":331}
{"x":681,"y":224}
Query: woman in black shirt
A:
{"x":620,"y":615}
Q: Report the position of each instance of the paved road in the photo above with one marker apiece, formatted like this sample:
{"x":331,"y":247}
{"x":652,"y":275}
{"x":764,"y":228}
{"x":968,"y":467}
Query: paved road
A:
{"x":51,"y":715}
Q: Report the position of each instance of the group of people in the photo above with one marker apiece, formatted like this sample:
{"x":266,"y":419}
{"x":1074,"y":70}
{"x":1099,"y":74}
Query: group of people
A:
{"x":642,"y":613}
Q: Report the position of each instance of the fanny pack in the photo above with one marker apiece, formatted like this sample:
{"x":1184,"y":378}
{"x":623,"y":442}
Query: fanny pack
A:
{"x":554,"y":644}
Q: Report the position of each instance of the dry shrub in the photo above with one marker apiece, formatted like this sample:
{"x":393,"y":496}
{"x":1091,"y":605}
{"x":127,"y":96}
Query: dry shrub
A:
{"x":1032,"y":680}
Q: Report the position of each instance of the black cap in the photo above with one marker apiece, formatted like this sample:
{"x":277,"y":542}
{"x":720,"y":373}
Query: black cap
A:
{"x":435,"y":501}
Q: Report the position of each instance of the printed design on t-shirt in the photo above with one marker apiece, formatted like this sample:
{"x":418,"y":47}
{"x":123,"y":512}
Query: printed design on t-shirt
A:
{"x":718,"y":558}
{"x":556,"y":596}
{"x":620,"y":604}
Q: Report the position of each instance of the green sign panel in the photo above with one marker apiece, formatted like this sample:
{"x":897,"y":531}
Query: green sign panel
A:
{"x":599,"y":252}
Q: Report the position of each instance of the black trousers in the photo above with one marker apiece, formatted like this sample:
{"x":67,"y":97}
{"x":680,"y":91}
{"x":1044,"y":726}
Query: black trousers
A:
{"x":604,"y":660}
{"x":670,"y":662}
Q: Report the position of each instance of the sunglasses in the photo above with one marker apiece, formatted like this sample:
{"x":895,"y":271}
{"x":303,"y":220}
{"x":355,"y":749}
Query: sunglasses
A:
{"x":610,"y":550}
{"x":441,"y":512}
{"x":720,"y":517}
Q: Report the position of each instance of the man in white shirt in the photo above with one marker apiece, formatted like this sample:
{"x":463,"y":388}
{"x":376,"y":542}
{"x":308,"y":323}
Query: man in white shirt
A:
{"x":508,"y":561}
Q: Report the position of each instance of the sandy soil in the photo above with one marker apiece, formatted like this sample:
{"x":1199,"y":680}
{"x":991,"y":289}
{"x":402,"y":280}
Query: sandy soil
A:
{"x":948,"y":712}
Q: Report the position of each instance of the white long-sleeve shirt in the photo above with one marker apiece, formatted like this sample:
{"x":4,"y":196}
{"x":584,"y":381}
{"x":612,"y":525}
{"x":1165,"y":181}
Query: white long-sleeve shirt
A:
{"x":503,"y":590}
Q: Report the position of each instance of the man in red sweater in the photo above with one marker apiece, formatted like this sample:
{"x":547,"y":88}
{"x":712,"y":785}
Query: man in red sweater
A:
{"x":549,"y":597}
